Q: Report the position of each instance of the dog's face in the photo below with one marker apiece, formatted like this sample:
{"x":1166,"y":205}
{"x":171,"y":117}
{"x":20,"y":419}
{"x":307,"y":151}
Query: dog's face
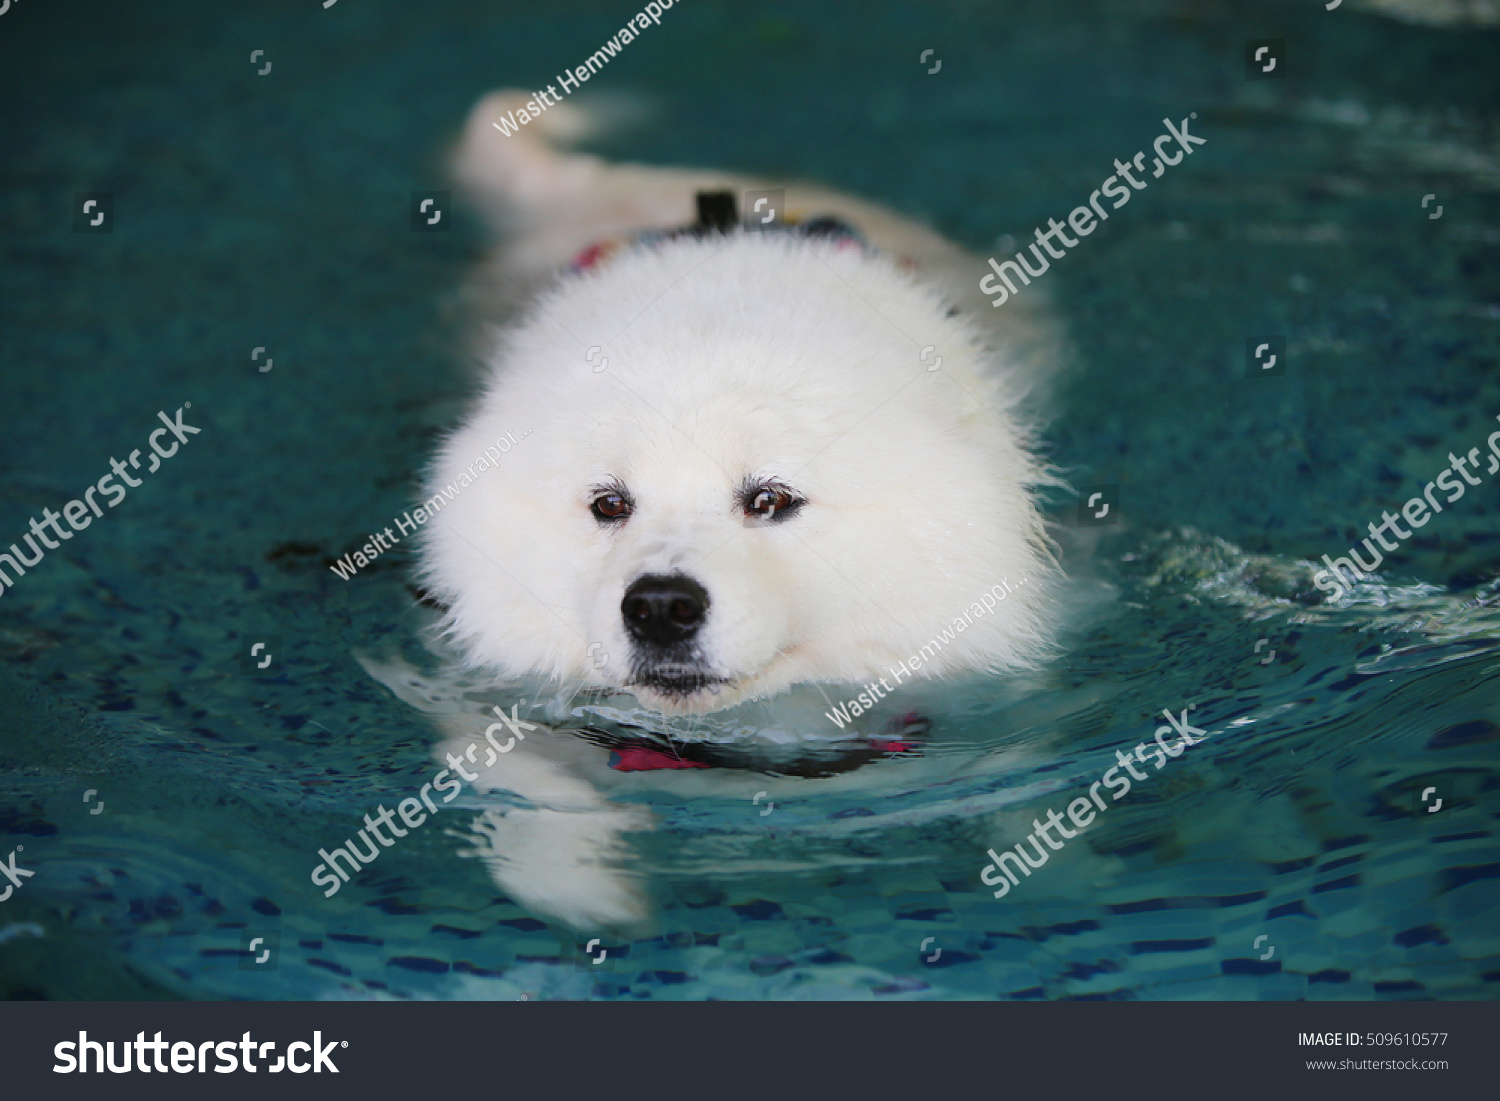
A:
{"x":753,"y":480}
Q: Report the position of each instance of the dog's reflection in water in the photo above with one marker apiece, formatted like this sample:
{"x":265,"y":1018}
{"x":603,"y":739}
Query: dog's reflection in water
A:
{"x":559,"y":830}
{"x":557,"y":845}
{"x":551,"y":840}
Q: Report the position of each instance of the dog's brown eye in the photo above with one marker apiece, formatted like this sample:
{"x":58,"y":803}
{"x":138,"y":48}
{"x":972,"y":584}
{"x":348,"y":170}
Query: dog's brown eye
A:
{"x":770,"y":502}
{"x":610,"y":506}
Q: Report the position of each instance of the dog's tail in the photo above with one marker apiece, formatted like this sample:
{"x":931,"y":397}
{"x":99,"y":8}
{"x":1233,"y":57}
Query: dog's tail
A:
{"x":512,"y":159}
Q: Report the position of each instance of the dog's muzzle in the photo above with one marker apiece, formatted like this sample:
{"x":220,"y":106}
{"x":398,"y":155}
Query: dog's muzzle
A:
{"x":662,"y":614}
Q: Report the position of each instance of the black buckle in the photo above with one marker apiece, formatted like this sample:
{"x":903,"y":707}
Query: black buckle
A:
{"x":717,"y":212}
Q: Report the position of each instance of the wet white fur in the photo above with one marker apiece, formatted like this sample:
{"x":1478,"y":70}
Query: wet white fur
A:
{"x":747,"y":358}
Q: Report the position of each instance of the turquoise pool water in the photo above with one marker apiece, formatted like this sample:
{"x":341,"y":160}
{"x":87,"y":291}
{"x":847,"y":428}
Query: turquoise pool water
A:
{"x":171,"y":797}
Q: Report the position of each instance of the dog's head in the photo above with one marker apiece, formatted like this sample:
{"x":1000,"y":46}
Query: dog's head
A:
{"x":713,"y":469}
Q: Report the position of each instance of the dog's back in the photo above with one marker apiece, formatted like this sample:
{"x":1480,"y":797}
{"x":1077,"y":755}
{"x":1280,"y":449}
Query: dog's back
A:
{"x":547,"y":204}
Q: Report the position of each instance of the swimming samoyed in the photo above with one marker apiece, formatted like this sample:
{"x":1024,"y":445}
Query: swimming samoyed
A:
{"x":745,"y":458}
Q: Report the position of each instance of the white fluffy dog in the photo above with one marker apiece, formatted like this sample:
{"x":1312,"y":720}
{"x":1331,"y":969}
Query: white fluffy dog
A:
{"x":742,"y":460}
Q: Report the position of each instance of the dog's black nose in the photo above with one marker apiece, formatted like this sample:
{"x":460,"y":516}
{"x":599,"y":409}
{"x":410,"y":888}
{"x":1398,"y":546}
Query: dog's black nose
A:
{"x":663,"y":610}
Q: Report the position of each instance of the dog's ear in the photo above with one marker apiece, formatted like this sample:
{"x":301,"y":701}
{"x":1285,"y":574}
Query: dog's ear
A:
{"x":717,"y":212}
